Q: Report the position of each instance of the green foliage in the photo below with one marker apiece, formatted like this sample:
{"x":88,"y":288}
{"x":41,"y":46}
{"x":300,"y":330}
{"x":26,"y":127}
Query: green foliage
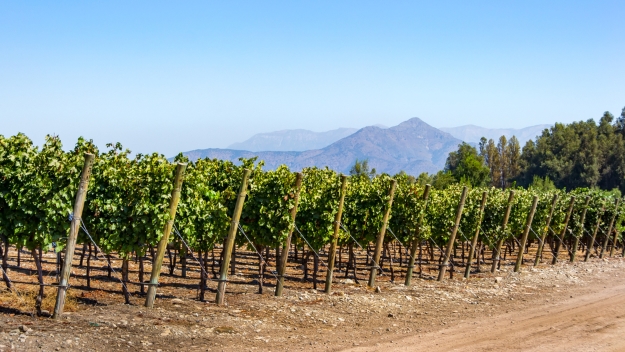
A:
{"x":467,"y":166}
{"x":361,"y":169}
{"x":542,"y":184}
{"x":128,"y":201}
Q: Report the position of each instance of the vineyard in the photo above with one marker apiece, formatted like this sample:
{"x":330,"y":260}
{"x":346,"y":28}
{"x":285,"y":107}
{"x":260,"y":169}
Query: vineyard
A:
{"x":212,"y":215}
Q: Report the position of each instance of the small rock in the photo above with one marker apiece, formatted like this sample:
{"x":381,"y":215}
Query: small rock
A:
{"x":409,"y":298}
{"x":390,"y":315}
{"x":22,"y":338}
{"x":166,"y":332}
{"x":498,"y":279}
{"x":24,"y":328}
{"x":378,"y":289}
{"x":348,"y":281}
{"x":176,"y":301}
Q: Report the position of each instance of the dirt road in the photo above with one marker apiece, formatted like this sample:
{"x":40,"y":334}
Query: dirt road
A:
{"x":594,"y":321}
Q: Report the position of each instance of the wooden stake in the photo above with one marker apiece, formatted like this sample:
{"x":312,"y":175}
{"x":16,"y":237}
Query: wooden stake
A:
{"x":526,"y":231}
{"x":417,"y":236}
{"x":162,"y":244}
{"x":335,"y":235}
{"x":541,"y":243}
{"x":607,"y":235}
{"x":380,"y":241}
{"x":591,"y":242}
{"x":476,"y":235}
{"x":287,"y":243}
{"x":615,"y":239}
{"x":581,"y":230}
{"x":563,"y":232}
{"x":232,"y":233}
{"x":452,"y":237}
{"x":497,"y":251}
{"x":79,"y":204}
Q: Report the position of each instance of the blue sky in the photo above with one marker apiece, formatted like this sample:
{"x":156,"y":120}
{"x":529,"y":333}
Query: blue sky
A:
{"x":176,"y":76}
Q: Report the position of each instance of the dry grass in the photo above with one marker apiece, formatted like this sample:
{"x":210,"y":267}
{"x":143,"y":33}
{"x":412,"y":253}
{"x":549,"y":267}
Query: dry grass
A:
{"x":23,"y":299}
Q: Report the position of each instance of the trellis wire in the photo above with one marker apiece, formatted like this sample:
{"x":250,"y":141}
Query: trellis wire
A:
{"x":191,"y":251}
{"x":309,"y":246}
{"x":358,"y":244}
{"x":255,"y":250}
{"x":108,"y":262}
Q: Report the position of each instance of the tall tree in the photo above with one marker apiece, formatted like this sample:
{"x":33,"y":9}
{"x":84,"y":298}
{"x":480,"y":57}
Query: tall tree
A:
{"x":502,"y":150}
{"x":466,"y":165}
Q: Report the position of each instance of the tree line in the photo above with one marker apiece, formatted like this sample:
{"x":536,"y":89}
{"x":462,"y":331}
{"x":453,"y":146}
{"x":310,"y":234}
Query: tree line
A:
{"x":586,"y":154}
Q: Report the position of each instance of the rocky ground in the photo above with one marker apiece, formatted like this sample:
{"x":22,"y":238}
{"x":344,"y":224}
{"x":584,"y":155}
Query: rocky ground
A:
{"x":353,"y":316}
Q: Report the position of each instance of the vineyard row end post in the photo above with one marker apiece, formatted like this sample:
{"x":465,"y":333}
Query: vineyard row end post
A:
{"x":615,"y":239}
{"x":591,"y":241}
{"x":541,"y":243}
{"x":79,"y":204}
{"x":581,"y":230}
{"x":417,"y":236}
{"x":504,"y":225}
{"x":607,"y":235}
{"x":526,"y":232}
{"x":335,"y":235}
{"x":476,"y":235}
{"x":380,"y":240}
{"x":287,"y":242}
{"x":162,"y":244}
{"x":559,"y":240}
{"x":232,"y":233}
{"x":452,"y":236}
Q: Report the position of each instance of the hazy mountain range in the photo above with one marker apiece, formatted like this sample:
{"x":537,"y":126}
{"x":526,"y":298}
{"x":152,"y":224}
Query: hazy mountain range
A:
{"x":412,"y":146}
{"x":292,"y":140}
{"x":472,"y":133}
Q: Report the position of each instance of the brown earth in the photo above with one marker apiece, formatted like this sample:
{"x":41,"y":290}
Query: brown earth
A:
{"x":566,"y":307}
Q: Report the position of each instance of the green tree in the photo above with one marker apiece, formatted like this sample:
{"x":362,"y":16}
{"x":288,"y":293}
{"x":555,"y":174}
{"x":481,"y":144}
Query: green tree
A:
{"x":467,"y":166}
{"x":361,"y":169}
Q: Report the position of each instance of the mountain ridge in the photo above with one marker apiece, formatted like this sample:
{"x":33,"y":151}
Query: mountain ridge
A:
{"x":412,"y":146}
{"x":472,"y":133}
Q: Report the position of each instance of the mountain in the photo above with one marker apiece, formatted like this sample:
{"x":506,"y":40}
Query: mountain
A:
{"x":292,"y":140}
{"x":412,"y":146}
{"x":472,"y":133}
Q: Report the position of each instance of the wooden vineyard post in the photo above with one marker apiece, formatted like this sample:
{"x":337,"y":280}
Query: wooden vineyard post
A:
{"x":162,"y":244}
{"x":541,"y":243}
{"x":452,"y":236}
{"x":563,"y":232}
{"x":232,"y":233}
{"x":416,"y":239}
{"x":526,"y":232}
{"x":380,"y":241}
{"x":591,"y":241}
{"x":607,"y":235}
{"x":581,"y":230}
{"x":335,"y":235}
{"x":79,"y":204}
{"x":615,"y":239}
{"x":476,"y":235}
{"x":287,"y":242}
{"x":497,"y":251}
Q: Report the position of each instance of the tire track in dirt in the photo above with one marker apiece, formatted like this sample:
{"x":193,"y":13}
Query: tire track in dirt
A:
{"x":593,"y":321}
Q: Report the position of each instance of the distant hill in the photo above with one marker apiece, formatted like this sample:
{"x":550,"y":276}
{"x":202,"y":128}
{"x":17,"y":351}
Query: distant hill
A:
{"x":292,"y":140}
{"x":412,"y":146}
{"x":472,"y":133}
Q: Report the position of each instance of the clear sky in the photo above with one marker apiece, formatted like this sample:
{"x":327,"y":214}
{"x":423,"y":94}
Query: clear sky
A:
{"x":179,"y":75}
